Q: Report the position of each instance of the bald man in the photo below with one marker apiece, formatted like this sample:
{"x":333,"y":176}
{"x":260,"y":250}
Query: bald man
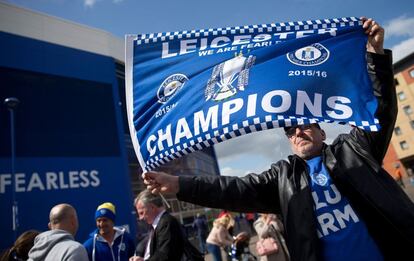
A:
{"x":58,"y":243}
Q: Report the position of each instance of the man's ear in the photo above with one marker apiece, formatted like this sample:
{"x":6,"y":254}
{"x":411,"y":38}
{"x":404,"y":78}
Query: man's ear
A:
{"x":49,"y":226}
{"x":323,"y":134}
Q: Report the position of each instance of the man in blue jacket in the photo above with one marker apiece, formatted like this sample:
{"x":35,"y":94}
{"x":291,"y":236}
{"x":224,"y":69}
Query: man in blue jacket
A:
{"x":108,"y":242}
{"x":336,"y":201}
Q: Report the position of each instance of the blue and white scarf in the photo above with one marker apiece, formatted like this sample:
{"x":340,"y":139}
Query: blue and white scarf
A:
{"x":189,"y":90}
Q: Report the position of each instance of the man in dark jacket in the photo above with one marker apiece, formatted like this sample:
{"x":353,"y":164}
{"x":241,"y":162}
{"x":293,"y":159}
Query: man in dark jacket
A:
{"x":336,"y":201}
{"x":166,"y":240}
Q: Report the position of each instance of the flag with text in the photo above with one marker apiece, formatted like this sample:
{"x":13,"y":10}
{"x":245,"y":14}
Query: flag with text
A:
{"x":189,"y":90}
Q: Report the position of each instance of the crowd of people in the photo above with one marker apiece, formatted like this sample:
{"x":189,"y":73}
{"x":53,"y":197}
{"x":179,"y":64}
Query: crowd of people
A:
{"x":326,"y":202}
{"x":167,"y":239}
{"x":230,"y":237}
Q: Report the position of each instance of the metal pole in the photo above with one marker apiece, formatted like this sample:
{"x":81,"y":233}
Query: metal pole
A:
{"x":12,"y":104}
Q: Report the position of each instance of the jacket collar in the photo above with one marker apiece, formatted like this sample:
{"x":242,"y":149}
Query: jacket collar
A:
{"x":119,"y":231}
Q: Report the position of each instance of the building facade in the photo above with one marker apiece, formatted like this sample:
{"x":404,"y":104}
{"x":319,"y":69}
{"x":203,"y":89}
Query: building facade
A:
{"x":403,"y":136}
{"x":71,"y":135}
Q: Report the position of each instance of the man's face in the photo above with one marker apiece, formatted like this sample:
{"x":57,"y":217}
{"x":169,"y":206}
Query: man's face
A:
{"x":306,"y":140}
{"x":104,"y":225}
{"x":146,"y":213}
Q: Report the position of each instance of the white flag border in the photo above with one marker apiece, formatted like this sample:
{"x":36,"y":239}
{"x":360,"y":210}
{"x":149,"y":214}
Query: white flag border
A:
{"x":129,"y":95}
{"x":277,"y":27}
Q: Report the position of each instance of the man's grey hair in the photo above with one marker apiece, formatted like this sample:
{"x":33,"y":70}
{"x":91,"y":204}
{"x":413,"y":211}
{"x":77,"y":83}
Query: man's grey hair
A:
{"x":146,"y":197}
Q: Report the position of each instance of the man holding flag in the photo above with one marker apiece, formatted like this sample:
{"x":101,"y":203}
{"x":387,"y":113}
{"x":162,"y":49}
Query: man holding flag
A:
{"x":336,"y":201}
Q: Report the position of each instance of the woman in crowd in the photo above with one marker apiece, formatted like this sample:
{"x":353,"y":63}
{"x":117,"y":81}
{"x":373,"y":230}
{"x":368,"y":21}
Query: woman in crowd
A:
{"x":268,"y":225}
{"x":21,"y":247}
{"x":219,"y":236}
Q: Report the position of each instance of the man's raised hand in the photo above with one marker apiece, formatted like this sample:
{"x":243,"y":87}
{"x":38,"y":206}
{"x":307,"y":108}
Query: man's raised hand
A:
{"x":375,"y":34}
{"x":160,"y":182}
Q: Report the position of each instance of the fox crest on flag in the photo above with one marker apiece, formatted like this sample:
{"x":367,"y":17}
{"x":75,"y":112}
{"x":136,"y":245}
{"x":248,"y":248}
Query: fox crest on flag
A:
{"x":189,"y":90}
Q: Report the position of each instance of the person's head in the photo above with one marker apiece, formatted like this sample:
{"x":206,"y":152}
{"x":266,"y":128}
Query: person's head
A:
{"x":306,"y":141}
{"x":264,"y":216}
{"x":105,"y":218}
{"x":148,"y":206}
{"x":243,"y":236}
{"x":22,"y":245}
{"x":223,"y":221}
{"x":64,"y":216}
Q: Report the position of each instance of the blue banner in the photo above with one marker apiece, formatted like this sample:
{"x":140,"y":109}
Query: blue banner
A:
{"x":189,"y":90}
{"x":59,"y":128}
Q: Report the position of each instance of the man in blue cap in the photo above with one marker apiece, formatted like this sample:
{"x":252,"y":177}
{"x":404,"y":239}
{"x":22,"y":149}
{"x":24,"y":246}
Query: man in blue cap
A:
{"x":108,"y":242}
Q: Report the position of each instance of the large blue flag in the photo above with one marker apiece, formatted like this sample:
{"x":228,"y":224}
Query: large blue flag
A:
{"x":189,"y":90}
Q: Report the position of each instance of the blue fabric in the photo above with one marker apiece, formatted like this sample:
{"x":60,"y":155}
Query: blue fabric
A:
{"x":123,"y":247}
{"x":215,"y":251}
{"x":104,"y":212}
{"x":200,"y":224}
{"x":190,"y":90}
{"x":202,"y":243}
{"x":343,"y":234}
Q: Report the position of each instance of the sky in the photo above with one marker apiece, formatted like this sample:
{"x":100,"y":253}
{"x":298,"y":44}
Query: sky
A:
{"x":253,"y":152}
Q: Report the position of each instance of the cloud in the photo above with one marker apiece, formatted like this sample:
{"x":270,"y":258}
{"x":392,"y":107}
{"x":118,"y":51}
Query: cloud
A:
{"x":91,"y":3}
{"x":237,"y":172}
{"x":403,"y":49}
{"x":228,"y":171}
{"x":257,"y":151}
{"x":266,"y":144}
{"x":400,"y":26}
{"x":332,"y":131}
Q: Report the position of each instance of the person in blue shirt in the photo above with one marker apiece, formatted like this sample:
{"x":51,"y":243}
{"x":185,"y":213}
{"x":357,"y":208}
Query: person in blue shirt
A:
{"x":107,"y":242}
{"x":200,"y":224}
{"x":336,"y":201}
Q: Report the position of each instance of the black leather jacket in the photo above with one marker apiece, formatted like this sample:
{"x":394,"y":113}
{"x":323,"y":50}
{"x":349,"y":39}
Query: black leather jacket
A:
{"x":354,"y":162}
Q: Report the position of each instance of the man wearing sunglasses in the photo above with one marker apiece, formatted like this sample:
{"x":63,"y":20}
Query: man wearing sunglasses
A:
{"x":306,"y":140}
{"x":336,"y":202}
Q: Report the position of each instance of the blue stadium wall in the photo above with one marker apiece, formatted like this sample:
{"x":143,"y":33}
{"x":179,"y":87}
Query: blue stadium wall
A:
{"x":69,"y":136}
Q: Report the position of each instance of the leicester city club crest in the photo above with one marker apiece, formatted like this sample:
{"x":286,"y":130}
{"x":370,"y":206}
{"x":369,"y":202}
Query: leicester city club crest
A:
{"x":311,"y":55}
{"x":228,"y":77}
{"x":320,"y":178}
{"x":170,"y":86}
